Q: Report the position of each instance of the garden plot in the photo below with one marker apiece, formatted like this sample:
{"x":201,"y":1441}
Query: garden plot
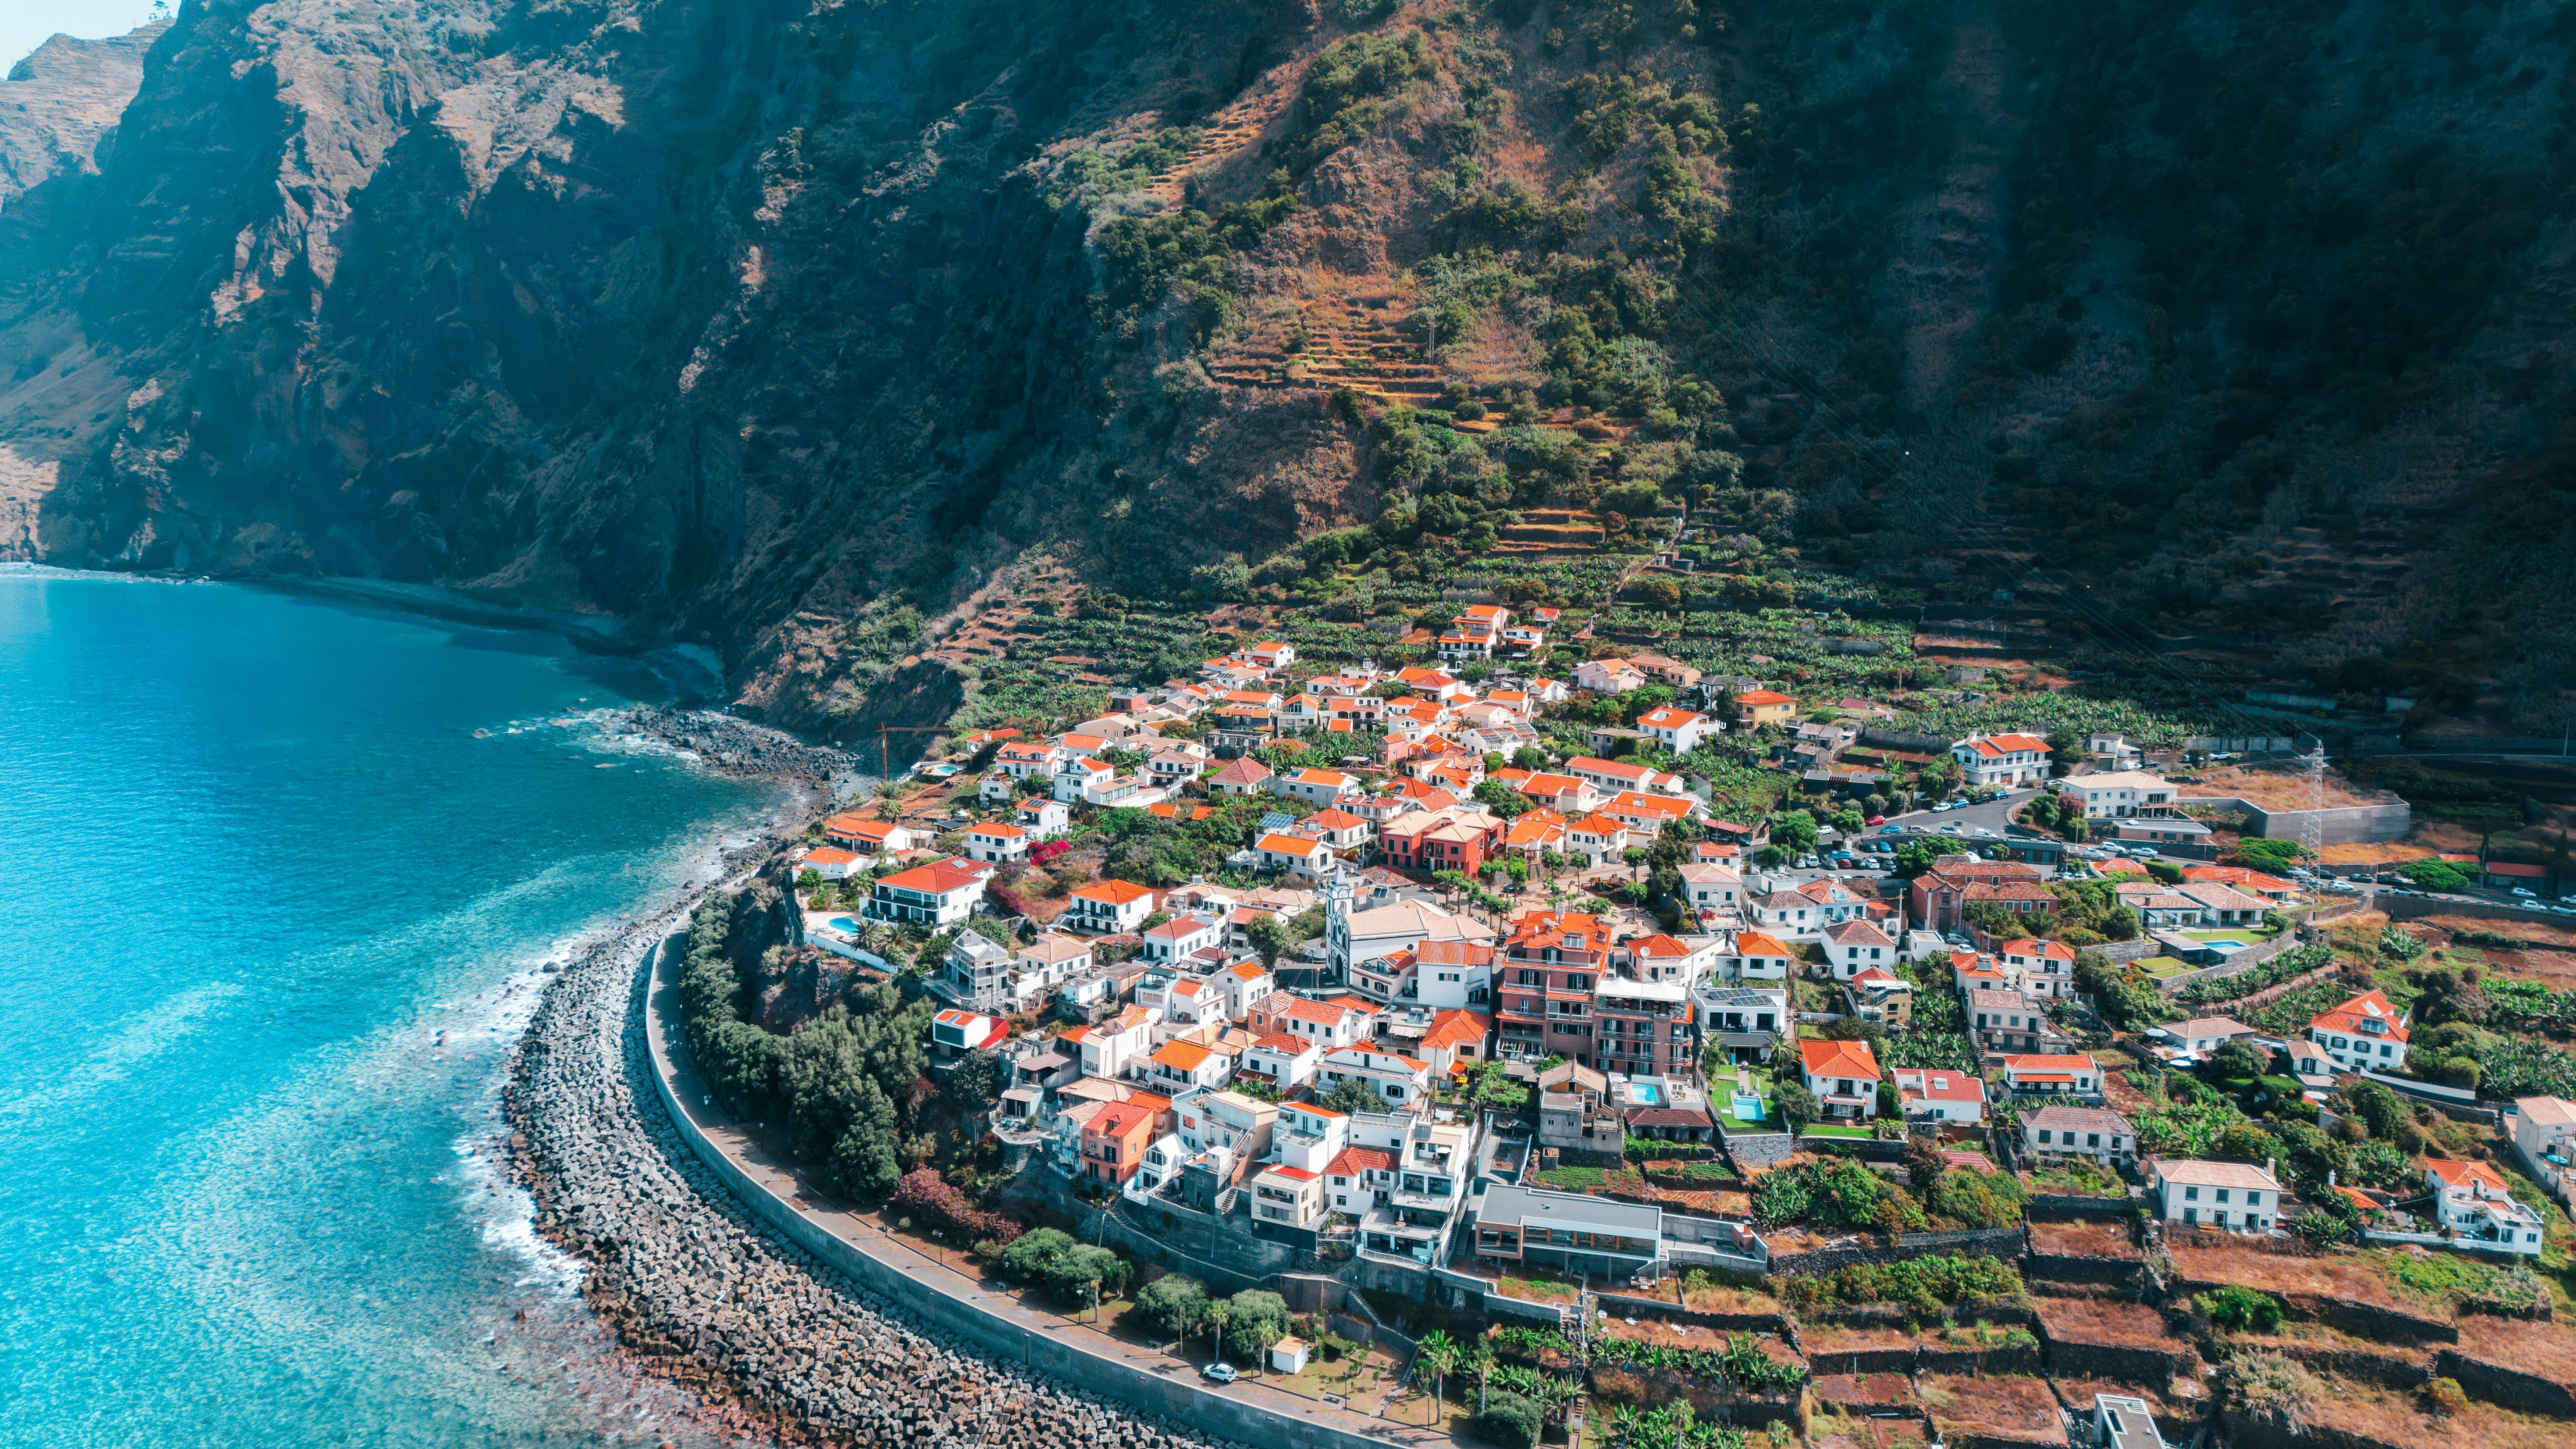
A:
{"x":2097,"y":1239}
{"x":2398,"y":1419}
{"x":2354,"y":1291}
{"x":2530,"y":1366}
{"x":1991,"y":1410}
{"x":2110,"y":1338}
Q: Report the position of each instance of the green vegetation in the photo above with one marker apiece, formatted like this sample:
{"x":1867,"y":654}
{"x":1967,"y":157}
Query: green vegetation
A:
{"x":1929,"y":1286}
{"x":2240,"y":1308}
{"x":2297,"y":961}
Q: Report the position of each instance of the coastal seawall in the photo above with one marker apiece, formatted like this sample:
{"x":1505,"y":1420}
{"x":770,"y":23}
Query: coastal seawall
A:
{"x":894,"y":1272}
{"x":717,"y":1298}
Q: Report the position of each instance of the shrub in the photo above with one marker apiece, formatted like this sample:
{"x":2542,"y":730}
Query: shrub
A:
{"x":2238,"y":1307}
{"x":923,"y":1193}
{"x":1258,"y":1319}
{"x":2273,"y":1389}
{"x":1508,"y":1420}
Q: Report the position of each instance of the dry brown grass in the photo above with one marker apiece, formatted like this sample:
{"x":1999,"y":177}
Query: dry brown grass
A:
{"x":2398,"y":1418}
{"x":1874,"y":1391}
{"x":1825,"y":1339}
{"x":2104,"y":1321}
{"x":2083,"y":1239}
{"x":2519,"y":930}
{"x":1729,"y":1300}
{"x":2543,"y":1350}
{"x":2332,"y":1276}
{"x":1997,"y":1406}
{"x":2279,"y":790}
{"x":2179,"y":1399}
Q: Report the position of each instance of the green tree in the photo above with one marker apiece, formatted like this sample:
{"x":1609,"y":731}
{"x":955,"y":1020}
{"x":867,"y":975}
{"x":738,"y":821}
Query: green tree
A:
{"x":2239,"y":1058}
{"x":1174,"y":1304}
{"x":1255,"y":1319}
{"x":1529,"y":757}
{"x":1797,"y":1105}
{"x":1794,"y":832}
{"x":1269,"y":935}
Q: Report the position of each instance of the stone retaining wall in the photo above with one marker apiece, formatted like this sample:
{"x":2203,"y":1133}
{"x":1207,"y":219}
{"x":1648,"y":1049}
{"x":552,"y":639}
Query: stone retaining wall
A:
{"x":2508,"y":1388}
{"x":2055,"y":1268}
{"x":1984,"y":1243}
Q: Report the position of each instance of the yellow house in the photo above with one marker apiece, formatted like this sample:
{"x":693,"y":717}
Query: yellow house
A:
{"x":1758,"y":707}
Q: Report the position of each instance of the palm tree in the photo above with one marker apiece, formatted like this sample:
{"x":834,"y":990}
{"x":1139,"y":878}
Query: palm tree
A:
{"x":1218,"y":1311}
{"x":1437,"y":1358}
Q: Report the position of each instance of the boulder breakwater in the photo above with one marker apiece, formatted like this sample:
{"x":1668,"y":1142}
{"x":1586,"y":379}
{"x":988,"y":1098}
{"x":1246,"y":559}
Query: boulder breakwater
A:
{"x":698,"y":1291}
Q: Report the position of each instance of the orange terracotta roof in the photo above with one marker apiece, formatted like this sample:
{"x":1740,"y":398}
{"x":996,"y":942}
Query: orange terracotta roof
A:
{"x":1115,"y":892}
{"x":1838,"y":1059}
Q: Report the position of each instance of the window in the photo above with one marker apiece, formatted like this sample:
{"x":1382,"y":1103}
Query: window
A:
{"x":2222,"y":1194}
{"x":2092,"y":1139}
{"x":2191,"y":1215}
{"x":2043,"y":1134}
{"x":2191,"y":1194}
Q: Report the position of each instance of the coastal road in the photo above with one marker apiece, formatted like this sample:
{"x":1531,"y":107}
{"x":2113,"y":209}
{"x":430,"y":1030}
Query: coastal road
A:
{"x":932,"y":1270}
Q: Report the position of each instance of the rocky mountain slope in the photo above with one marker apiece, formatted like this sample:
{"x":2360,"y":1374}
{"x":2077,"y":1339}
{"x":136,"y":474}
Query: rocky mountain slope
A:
{"x":810,"y":331}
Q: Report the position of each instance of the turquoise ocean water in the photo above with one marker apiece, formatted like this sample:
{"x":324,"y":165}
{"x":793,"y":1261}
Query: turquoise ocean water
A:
{"x":254,"y":862}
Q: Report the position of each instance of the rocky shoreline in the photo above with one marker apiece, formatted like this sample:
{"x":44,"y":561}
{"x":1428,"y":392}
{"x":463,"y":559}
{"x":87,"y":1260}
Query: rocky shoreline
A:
{"x":696,"y":1289}
{"x":737,"y":748}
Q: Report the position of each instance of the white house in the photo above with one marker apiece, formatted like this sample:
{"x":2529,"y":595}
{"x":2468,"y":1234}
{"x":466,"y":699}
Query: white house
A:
{"x":1679,"y":731}
{"x":1710,"y":888}
{"x":869,"y":837}
{"x":1319,"y":787}
{"x":1608,"y":676}
{"x":2221,"y":1194}
{"x":1788,"y":913}
{"x":1045,"y":817}
{"x":1181,"y":1065}
{"x":2542,"y":1129}
{"x":2201,"y":1035}
{"x":1308,"y":1135}
{"x":2094,"y":1132}
{"x":1283,"y":1059}
{"x":1855,"y":946}
{"x":1842,"y":1074}
{"x":2474,"y":1202}
{"x":1760,"y":957}
{"x":1400,"y":1079}
{"x":1246,"y":984}
{"x":1108,"y":906}
{"x":997,"y":842}
{"x":942,"y":893}
{"x":2002,"y":761}
{"x":1053,"y":959}
{"x":2075,"y":1075}
{"x":1112,"y":1047}
{"x":1301,"y":854}
{"x":2120,"y":794}
{"x":831,"y":862}
{"x":1930,"y":1094}
{"x":2038,"y":968}
{"x":1177,"y":938}
{"x":2367,"y":1032}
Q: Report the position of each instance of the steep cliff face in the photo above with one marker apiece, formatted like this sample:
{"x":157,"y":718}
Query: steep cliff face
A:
{"x":698,"y":313}
{"x":810,"y":330}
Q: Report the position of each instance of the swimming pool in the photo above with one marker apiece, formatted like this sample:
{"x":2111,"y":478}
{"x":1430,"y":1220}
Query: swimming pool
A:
{"x":1748,"y":1107}
{"x":845,"y":925}
{"x":1646,"y":1092}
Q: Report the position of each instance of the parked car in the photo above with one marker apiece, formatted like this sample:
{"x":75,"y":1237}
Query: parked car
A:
{"x":1891,"y":830}
{"x":1981,"y":832}
{"x":2526,"y":895}
{"x":1877,"y":820}
{"x":2143,"y":852}
{"x":1219,"y":1373}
